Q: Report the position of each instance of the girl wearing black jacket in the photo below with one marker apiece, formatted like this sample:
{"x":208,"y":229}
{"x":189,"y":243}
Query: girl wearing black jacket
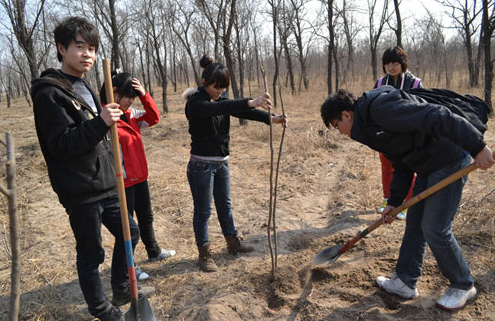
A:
{"x":208,"y":173}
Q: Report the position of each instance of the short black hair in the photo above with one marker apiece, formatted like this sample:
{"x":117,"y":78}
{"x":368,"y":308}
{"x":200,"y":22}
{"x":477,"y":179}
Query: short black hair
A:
{"x":215,"y":73}
{"x":396,"y":54}
{"x":335,"y":104}
{"x":67,"y":30}
{"x":123,"y":82}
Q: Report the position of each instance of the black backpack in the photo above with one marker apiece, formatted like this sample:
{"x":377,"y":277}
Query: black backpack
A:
{"x":470,"y":107}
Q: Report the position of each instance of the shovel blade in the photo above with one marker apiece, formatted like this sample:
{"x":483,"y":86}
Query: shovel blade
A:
{"x":140,"y":312}
{"x":327,"y":256}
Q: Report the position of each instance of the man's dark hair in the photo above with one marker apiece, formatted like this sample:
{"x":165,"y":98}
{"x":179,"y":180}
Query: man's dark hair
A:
{"x":396,"y":54}
{"x":123,"y":82}
{"x":335,"y":104}
{"x":215,"y":73}
{"x":68,"y":29}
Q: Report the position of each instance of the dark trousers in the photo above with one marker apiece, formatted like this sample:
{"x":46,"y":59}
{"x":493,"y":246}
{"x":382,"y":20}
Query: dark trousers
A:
{"x":138,"y":200}
{"x":86,"y":220}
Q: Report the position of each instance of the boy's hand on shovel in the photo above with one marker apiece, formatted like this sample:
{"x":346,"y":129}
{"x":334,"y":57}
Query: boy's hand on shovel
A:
{"x":387,"y":219}
{"x":111,"y":113}
{"x":484,"y":159}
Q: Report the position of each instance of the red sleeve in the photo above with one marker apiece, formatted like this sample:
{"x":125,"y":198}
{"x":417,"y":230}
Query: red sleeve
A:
{"x":151,"y":115}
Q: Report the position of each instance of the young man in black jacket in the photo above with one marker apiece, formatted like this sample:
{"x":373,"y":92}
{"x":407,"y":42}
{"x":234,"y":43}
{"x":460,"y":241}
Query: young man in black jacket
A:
{"x":430,"y":140}
{"x":72,"y":128}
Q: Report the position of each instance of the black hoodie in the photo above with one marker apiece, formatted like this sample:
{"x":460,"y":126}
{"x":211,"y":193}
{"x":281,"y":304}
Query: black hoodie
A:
{"x":416,"y":136}
{"x":209,"y":122}
{"x":72,"y":140}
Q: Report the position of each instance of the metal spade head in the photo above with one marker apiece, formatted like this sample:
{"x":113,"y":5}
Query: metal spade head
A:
{"x":328,"y":255}
{"x":140,"y":312}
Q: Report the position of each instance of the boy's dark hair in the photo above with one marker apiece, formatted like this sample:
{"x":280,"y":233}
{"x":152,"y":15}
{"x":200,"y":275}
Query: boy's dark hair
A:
{"x":396,"y":54}
{"x":335,"y":104}
{"x":68,"y":29}
{"x":215,"y":73}
{"x":123,"y":82}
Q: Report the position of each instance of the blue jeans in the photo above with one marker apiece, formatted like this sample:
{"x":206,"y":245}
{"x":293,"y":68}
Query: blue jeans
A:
{"x":429,"y":222}
{"x":210,"y":179}
{"x":86,"y":220}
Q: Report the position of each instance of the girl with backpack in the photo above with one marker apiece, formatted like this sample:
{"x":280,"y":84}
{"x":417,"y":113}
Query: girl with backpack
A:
{"x":394,"y":62}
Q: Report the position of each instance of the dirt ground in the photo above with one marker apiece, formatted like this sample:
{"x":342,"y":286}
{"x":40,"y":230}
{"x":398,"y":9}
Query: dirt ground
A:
{"x":329,"y":189}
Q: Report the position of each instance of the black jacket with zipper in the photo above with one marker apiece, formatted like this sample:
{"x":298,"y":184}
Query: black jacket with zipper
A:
{"x":209,"y":122}
{"x":416,"y":136}
{"x":73,"y":141}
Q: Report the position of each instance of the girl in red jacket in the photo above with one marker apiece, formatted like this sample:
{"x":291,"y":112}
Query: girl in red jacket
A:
{"x":135,"y":167}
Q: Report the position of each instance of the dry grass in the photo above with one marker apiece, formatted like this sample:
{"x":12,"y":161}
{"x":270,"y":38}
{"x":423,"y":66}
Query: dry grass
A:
{"x":329,"y":187}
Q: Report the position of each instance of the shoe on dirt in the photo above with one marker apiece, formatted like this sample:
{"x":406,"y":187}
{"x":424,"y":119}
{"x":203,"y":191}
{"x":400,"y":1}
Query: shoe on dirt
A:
{"x":382,"y":207}
{"x":113,"y":314}
{"x":163,"y":255}
{"x":395,"y":285}
{"x":140,"y":274}
{"x":120,"y":299}
{"x":455,"y":299}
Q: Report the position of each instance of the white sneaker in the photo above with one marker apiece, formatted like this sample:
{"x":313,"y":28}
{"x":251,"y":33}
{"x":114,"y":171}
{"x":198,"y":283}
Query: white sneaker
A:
{"x":140,"y":274}
{"x":402,"y":215}
{"x":163,"y":255}
{"x":382,"y":207}
{"x":455,"y":299}
{"x":395,"y":285}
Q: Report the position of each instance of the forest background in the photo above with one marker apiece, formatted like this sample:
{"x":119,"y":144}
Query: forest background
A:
{"x":300,"y":42}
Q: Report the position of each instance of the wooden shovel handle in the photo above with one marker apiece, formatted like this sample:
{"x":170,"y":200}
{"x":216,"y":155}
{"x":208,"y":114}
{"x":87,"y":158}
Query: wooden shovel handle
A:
{"x":117,"y":162}
{"x":421,"y":196}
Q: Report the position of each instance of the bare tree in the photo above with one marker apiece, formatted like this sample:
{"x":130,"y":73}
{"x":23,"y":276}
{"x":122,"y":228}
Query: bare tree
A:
{"x":375,"y":31}
{"x":157,"y":21}
{"x":106,"y":14}
{"x":398,"y":20}
{"x":182,"y":21}
{"x":24,"y":31}
{"x":331,"y":48}
{"x":351,"y":30}
{"x":212,"y":11}
{"x":285,"y":31}
{"x":298,"y":29}
{"x":275,"y":12}
{"x":488,"y":26}
{"x":465,"y":15}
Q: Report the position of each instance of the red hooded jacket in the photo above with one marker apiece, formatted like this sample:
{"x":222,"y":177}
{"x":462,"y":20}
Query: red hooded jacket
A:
{"x":135,"y":167}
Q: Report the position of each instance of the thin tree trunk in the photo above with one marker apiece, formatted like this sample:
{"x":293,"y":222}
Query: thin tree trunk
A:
{"x":10,"y":192}
{"x":115,"y":36}
{"x":290,"y":71}
{"x":330,"y":45}
{"x":398,"y":31}
{"x":487,"y":35}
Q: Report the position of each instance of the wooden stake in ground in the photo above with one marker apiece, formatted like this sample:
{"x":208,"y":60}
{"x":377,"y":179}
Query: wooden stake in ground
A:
{"x":270,"y":211}
{"x":9,"y":191}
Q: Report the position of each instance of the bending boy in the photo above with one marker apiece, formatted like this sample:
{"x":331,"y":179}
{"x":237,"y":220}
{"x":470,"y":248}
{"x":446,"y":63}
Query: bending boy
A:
{"x":430,"y":140}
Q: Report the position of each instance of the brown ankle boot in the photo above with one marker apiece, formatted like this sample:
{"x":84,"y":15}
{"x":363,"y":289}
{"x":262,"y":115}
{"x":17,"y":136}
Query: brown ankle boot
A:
{"x":234,"y":245}
{"x":205,"y":261}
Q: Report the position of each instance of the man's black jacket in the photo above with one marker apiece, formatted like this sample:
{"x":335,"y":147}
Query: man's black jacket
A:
{"x":71,"y":137}
{"x":416,"y":136}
